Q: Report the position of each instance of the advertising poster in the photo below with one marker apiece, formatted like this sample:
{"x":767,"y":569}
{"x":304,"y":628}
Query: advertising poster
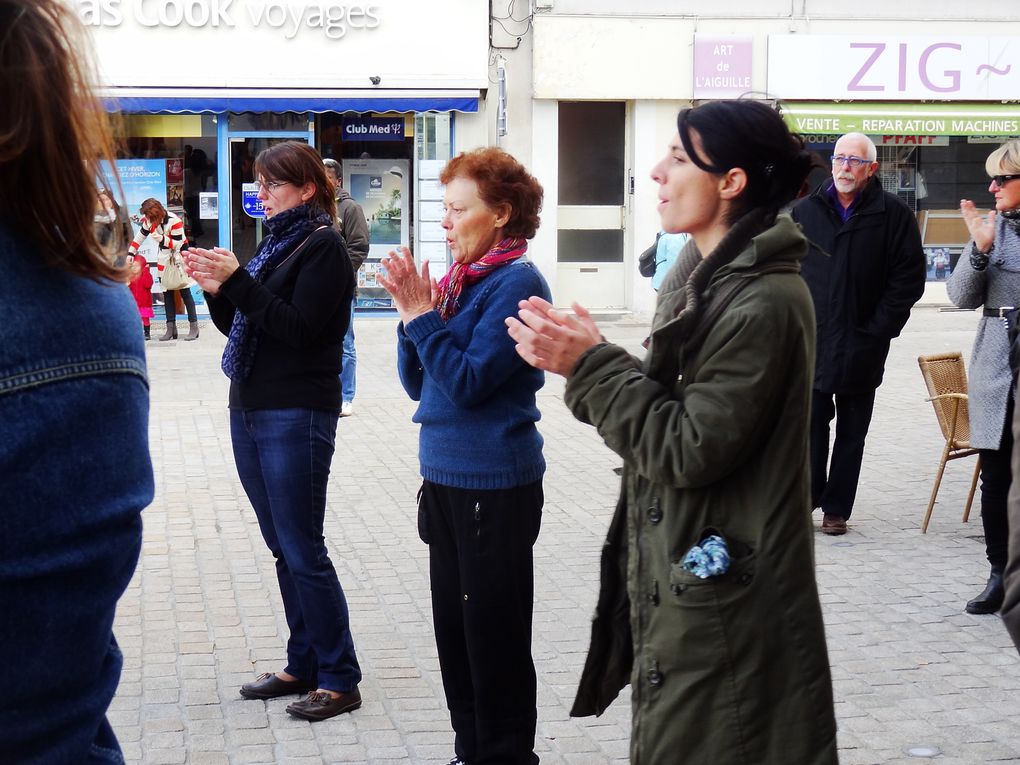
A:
{"x":380,"y":187}
{"x":142,"y":179}
{"x":940,"y":261}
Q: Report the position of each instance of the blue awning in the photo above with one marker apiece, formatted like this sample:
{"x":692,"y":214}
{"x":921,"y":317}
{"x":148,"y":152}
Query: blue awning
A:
{"x":222,"y":100}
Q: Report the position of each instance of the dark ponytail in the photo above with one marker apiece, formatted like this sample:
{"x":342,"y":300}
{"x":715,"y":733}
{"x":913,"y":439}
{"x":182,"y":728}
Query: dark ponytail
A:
{"x":752,"y":136}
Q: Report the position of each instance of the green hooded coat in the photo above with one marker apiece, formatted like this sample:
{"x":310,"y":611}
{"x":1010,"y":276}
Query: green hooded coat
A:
{"x":733,"y":668}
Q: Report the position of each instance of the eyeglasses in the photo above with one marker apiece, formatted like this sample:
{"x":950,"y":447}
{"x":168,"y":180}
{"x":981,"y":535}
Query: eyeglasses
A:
{"x":854,"y":162}
{"x":1002,"y":180}
{"x":269,"y":186}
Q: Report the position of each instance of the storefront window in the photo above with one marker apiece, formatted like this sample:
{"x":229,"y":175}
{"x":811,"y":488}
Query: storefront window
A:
{"x":172,"y":158}
{"x":931,"y":174}
{"x":376,"y":151}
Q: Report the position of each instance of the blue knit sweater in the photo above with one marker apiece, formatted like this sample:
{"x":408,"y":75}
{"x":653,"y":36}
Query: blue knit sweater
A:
{"x":477,"y":407}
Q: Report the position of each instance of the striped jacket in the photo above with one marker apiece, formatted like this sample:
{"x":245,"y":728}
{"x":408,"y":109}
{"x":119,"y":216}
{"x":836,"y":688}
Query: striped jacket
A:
{"x":170,"y":233}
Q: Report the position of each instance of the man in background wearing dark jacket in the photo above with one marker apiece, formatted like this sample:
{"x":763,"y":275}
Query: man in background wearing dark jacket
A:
{"x":351,"y":223}
{"x":865,"y":269}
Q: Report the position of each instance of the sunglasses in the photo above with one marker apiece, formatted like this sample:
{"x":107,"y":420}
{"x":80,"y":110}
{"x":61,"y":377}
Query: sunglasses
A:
{"x":1002,"y":180}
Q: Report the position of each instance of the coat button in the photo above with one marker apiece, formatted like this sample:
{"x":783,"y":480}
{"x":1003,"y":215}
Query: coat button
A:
{"x":654,"y":514}
{"x":654,"y":675}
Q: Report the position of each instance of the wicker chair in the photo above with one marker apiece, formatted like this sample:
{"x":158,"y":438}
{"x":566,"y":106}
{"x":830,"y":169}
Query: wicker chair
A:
{"x":946,"y":378}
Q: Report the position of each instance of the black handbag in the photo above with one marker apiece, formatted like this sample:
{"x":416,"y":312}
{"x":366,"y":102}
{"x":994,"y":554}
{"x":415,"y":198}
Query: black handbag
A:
{"x":646,"y":260}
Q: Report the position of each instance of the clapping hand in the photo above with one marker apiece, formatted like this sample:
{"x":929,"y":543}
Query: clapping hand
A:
{"x":210,"y":268}
{"x":981,"y":227}
{"x":551,"y":339}
{"x":413,"y":293}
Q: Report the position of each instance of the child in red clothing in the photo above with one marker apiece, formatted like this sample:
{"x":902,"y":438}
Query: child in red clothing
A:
{"x":141,"y":288}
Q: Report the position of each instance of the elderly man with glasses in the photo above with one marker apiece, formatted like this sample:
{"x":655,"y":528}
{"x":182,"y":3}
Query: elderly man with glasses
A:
{"x":865,"y":270}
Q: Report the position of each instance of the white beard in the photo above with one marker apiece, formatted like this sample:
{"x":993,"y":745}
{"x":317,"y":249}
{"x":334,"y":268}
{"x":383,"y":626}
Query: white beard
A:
{"x":845,"y":185}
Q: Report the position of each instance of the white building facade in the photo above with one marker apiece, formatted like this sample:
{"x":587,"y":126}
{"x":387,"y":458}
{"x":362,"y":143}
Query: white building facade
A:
{"x":935,"y":83}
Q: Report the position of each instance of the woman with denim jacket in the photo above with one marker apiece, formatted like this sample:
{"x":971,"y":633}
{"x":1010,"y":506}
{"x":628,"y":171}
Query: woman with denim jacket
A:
{"x":75,"y":471}
{"x":285,"y":314}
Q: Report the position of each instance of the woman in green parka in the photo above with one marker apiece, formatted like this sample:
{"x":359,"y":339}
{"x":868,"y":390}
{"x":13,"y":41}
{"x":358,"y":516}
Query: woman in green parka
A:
{"x":708,"y":605}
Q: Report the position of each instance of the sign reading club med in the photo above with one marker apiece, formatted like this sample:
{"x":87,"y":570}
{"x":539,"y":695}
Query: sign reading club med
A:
{"x":894,"y":68}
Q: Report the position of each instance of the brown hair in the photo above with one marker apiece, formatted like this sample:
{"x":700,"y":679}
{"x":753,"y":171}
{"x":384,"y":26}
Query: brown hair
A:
{"x":298,"y":163}
{"x":153,"y":209}
{"x":502,"y":181}
{"x":54,"y":136}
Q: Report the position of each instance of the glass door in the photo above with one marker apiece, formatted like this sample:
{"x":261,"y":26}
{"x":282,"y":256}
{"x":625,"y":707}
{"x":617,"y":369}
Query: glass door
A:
{"x":591,"y":208}
{"x":245,"y":135}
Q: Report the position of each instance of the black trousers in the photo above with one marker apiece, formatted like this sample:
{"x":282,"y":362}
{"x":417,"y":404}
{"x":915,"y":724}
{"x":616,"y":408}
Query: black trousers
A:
{"x":482,"y":575}
{"x":171,"y":309}
{"x":996,"y":477}
{"x":834,"y":482}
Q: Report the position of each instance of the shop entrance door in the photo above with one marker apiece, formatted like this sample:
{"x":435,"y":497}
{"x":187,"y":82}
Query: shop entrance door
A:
{"x":241,"y":225}
{"x":591,"y":211}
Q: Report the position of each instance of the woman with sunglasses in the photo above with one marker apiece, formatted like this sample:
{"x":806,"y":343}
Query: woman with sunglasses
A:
{"x":285,"y":313}
{"x":988,"y":274}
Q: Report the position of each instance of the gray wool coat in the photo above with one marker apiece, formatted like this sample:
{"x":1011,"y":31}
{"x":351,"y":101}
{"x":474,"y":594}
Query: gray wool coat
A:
{"x":989,"y":377}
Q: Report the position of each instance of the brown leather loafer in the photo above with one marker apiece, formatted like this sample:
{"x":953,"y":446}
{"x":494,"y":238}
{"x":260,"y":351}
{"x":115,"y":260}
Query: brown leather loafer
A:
{"x":321,"y":706}
{"x":269,"y":686}
{"x":833,"y":525}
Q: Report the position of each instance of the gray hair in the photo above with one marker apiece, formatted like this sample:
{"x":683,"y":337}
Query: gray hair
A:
{"x":872,"y":151}
{"x":336,"y":167}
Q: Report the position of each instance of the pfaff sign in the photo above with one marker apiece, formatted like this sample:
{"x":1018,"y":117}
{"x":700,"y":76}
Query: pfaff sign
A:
{"x":893,"y":68}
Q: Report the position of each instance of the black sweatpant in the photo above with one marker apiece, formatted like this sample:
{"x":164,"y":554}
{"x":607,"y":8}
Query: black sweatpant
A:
{"x":482,"y":574}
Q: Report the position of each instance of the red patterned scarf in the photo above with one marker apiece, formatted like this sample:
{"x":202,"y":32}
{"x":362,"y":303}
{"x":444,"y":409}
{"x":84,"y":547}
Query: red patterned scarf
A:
{"x":465,"y":274}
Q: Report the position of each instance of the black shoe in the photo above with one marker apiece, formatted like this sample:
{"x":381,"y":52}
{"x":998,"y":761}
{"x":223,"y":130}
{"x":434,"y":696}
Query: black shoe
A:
{"x":269,"y":686}
{"x":990,"y":599}
{"x":319,"y":705}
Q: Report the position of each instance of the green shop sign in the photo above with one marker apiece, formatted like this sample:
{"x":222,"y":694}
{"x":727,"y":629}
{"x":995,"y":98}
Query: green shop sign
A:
{"x":903,"y":119}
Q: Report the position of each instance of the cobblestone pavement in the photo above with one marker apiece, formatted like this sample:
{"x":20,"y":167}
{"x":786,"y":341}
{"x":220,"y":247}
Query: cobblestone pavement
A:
{"x":203,"y":612}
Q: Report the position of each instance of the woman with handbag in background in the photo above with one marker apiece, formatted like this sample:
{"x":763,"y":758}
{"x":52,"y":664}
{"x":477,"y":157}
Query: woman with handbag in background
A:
{"x":167,"y":230}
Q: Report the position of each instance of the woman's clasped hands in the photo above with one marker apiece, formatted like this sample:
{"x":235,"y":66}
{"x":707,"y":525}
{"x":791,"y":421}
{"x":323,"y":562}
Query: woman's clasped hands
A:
{"x":551,"y":339}
{"x":210,"y":268}
{"x":414,"y":293}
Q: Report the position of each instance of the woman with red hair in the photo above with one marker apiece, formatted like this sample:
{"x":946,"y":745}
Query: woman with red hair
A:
{"x":480,"y":505}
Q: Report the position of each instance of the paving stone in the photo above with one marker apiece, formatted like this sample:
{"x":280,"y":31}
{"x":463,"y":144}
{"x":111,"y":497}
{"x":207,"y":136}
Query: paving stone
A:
{"x":203,"y":614}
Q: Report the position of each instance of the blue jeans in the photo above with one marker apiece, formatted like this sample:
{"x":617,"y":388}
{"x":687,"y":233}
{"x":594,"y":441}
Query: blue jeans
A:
{"x":283,"y":458}
{"x":350,"y":361}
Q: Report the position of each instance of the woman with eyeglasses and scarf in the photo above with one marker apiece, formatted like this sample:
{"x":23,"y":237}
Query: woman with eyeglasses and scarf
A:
{"x":480,"y":505}
{"x":988,"y":274}
{"x":285,"y":314}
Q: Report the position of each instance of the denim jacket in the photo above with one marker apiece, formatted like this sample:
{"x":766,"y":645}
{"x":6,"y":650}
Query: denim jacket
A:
{"x":75,"y":474}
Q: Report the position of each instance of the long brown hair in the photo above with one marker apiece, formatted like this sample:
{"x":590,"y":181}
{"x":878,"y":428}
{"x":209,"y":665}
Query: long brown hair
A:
{"x":298,"y":163}
{"x":54,"y":136}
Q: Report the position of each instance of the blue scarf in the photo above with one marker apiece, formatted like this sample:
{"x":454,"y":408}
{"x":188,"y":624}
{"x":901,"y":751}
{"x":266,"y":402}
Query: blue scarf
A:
{"x":287,"y":230}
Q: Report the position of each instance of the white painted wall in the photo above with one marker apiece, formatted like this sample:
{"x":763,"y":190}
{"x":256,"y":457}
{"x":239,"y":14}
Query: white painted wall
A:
{"x":544,"y":166}
{"x":654,"y":125}
{"x":641,"y":57}
{"x":589,"y":50}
